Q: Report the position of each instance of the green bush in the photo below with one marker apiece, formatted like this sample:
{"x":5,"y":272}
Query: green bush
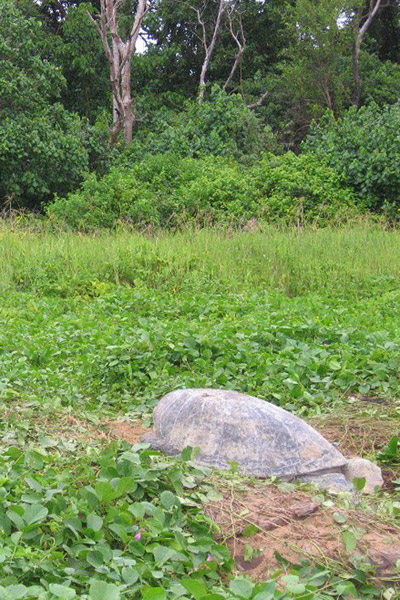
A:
{"x":46,"y":154}
{"x":168,"y":191}
{"x":44,"y":149}
{"x":40,"y":155}
{"x":300,"y":189}
{"x":142,"y":194}
{"x":163,"y":191}
{"x":100,"y":203}
{"x":364,"y":146}
{"x":221,"y":126}
{"x":223,"y":192}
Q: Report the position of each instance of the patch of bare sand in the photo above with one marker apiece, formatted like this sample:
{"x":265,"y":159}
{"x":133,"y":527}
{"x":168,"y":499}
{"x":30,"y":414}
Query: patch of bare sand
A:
{"x":130,"y":431}
{"x":291,"y":524}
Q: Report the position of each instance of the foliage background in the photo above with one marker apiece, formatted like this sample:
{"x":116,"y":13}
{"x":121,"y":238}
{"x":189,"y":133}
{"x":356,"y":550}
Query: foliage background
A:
{"x":55,"y":111}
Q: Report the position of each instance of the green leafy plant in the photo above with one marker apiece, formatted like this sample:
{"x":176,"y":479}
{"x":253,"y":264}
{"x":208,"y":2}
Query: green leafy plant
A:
{"x":391,"y":453}
{"x":221,"y":126}
{"x":363,"y":147}
{"x":168,"y":191}
{"x":301,"y":189}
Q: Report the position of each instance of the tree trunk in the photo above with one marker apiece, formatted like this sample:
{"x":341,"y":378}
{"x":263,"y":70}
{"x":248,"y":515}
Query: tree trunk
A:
{"x":209,"y":47}
{"x":373,"y":9}
{"x":113,"y":71}
{"x":202,"y":82}
{"x":127,"y":101}
{"x":240,"y":41}
{"x":356,"y":72}
{"x":119,"y":55}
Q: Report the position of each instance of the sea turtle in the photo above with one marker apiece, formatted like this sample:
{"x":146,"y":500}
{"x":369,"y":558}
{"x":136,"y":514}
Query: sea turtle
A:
{"x":263,"y":439}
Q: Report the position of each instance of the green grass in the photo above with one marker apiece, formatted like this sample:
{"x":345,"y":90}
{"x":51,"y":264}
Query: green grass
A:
{"x":100,"y":326}
{"x":358,"y":261}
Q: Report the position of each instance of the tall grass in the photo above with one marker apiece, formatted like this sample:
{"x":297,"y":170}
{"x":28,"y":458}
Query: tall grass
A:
{"x":360,"y":260}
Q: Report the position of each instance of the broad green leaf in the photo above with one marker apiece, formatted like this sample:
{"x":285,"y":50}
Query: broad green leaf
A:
{"x":125,"y":485}
{"x":251,"y":530}
{"x":35,"y":513}
{"x":334,"y":365}
{"x":130,"y":575}
{"x":187,"y":453}
{"x":346,"y":588}
{"x":100,"y":590}
{"x":291,"y":579}
{"x":15,"y":592}
{"x":138,"y":510}
{"x":350,"y":541}
{"x":16,"y":518}
{"x":340,"y":517}
{"x":94,"y":522}
{"x":268,"y":593}
{"x":248,"y":553}
{"x":359,"y":483}
{"x":62,"y":591}
{"x":162,"y":554}
{"x":155,"y":593}
{"x":296,"y":588}
{"x":95,"y":558}
{"x":168,"y":500}
{"x":105,"y":492}
{"x":196,"y":587}
{"x":242,"y":587}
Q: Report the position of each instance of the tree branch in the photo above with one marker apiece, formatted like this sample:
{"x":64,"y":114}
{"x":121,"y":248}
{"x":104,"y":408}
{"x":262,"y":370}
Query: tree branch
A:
{"x":259,"y":102}
{"x":208,"y":47}
{"x":374,"y":7}
{"x":241,"y":43}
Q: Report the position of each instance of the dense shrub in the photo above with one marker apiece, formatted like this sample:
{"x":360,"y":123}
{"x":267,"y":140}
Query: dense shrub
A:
{"x":168,"y":191}
{"x":162,"y":190}
{"x":28,"y":80}
{"x":46,"y":154}
{"x":364,"y":146}
{"x":44,"y":149}
{"x":40,"y":155}
{"x":222,"y":192}
{"x":141,"y":194}
{"x":102,"y":202}
{"x":221,"y":126}
{"x":299,"y":189}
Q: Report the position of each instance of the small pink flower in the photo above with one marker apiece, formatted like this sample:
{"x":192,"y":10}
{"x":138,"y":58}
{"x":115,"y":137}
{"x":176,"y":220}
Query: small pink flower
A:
{"x":138,"y":536}
{"x":210,"y":558}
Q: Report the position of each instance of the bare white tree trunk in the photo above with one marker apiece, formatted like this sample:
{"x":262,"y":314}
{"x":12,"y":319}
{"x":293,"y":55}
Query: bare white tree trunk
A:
{"x":119,"y":53}
{"x":209,"y":46}
{"x":240,"y":40}
{"x":374,"y":7}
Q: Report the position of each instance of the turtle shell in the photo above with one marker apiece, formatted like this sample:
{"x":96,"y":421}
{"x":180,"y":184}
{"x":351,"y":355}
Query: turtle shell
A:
{"x":263,"y":439}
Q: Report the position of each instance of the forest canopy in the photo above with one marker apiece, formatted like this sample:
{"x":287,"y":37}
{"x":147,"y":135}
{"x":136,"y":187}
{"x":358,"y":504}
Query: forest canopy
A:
{"x":98,"y":89}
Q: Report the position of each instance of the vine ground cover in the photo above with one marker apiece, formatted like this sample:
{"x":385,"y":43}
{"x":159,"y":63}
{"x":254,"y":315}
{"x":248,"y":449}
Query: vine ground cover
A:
{"x":98,"y":328}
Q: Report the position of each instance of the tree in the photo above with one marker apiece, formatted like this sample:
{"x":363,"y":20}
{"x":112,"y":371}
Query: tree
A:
{"x":364,"y":147}
{"x":44,"y":149}
{"x":119,"y":53}
{"x":80,"y":54}
{"x":385,"y":32}
{"x":363,"y":22}
{"x":228,"y":11}
{"x":28,"y":80}
{"x":208,"y":44}
{"x":249,"y":43}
